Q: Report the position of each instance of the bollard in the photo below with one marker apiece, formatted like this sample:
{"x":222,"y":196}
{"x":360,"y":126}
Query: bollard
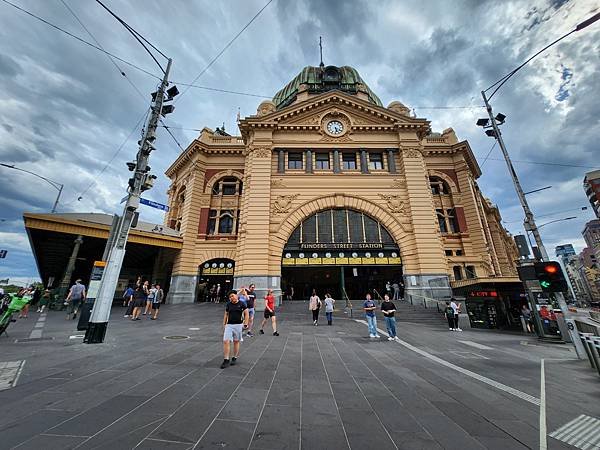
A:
{"x":588,"y":350}
{"x":594,"y":343}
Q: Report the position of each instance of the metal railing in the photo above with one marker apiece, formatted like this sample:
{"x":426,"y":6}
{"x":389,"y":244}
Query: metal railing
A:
{"x":348,"y":302}
{"x":426,"y":302}
{"x":591,"y":344}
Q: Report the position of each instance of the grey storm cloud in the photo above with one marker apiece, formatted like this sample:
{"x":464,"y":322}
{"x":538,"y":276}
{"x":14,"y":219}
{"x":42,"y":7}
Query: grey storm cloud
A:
{"x":66,"y":111}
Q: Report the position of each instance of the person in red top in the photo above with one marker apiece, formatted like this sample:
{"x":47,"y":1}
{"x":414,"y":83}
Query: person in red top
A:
{"x":269,"y":313}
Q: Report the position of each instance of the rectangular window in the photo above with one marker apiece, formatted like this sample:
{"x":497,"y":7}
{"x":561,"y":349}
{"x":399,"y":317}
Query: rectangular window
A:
{"x":355,"y":226}
{"x":459,"y":252}
{"x":453,"y":221}
{"x":470,"y":272}
{"x":349,"y":161}
{"x":324,"y":226}
{"x":441,"y":220}
{"x":322,"y":160}
{"x":226,"y":222}
{"x":212,"y":221}
{"x":375,"y":161}
{"x":295,"y":160}
{"x":448,"y":252}
{"x":340,"y":228}
{"x":457,"y":273}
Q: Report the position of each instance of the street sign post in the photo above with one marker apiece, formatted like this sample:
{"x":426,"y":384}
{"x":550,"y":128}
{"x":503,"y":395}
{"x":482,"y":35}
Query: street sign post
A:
{"x":156,"y":205}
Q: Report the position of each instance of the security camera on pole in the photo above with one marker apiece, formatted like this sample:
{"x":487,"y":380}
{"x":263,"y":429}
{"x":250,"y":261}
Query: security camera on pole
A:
{"x":140,"y":181}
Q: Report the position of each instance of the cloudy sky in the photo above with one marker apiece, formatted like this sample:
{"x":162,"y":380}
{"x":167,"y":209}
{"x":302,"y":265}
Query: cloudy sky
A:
{"x":65,"y":110}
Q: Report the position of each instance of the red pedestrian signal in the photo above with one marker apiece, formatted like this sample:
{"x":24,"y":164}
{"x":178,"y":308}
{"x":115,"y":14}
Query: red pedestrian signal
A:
{"x":550,"y":276}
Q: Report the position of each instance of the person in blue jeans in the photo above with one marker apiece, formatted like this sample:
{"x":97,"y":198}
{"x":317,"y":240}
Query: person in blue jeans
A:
{"x":388,"y":309}
{"x":369,"y":306}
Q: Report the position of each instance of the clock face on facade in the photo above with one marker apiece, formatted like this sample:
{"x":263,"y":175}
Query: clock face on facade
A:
{"x":335,"y":127}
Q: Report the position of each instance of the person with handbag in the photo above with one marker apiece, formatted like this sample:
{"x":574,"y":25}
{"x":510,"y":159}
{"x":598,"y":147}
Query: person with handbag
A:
{"x":314,"y":305}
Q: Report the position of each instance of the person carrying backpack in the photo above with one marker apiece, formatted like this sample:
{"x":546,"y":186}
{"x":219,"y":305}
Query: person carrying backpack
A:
{"x":449,"y":312}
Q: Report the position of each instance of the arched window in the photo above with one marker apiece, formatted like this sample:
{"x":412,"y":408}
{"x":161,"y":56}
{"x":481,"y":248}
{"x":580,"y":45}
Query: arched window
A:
{"x":340,"y":226}
{"x":439,"y":186}
{"x":224,"y":214}
{"x":227,"y":186}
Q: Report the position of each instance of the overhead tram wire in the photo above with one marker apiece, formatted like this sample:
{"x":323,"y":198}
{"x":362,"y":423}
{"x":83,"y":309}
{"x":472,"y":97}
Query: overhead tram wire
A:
{"x":121,"y":71}
{"x":212,"y":61}
{"x":80,"y":39}
{"x":488,"y":153}
{"x":136,"y":35}
{"x":548,"y":163}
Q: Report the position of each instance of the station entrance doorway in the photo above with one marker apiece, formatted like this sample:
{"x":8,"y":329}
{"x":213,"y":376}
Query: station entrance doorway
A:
{"x":215,"y":280}
{"x":342,"y":252}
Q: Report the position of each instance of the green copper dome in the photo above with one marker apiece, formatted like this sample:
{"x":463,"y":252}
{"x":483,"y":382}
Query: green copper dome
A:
{"x":322,"y":79}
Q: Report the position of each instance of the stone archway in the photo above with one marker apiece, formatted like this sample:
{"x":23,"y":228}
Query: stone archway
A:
{"x":399,"y":230}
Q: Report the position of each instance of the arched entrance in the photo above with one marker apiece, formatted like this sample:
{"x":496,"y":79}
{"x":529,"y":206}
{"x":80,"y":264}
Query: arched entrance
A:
{"x":341,"y":251}
{"x":215,"y":280}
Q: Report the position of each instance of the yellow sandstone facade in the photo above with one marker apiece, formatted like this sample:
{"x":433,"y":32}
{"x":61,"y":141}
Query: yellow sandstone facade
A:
{"x":325,"y":185}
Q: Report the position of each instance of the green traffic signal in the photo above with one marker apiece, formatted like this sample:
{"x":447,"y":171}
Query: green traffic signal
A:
{"x":545,"y":284}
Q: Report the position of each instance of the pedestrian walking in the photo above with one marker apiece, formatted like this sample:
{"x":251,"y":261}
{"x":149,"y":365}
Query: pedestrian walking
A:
{"x":36,"y":296}
{"x":314,"y":305}
{"x":149,"y":300}
{"x":74,"y":298}
{"x":128,"y":298}
{"x":329,"y":302}
{"x":456,"y":307}
{"x":44,"y":301}
{"x":526,"y":313}
{"x":139,"y":300}
{"x":269,"y":313}
{"x":243,"y":296}
{"x":156,"y":301}
{"x":26,"y":295}
{"x":127,"y":295}
{"x":235,"y":320}
{"x":388,"y":288}
{"x":251,"y":303}
{"x":388,"y":309}
{"x":449,"y":313}
{"x":396,"y":288}
{"x":369,"y":307}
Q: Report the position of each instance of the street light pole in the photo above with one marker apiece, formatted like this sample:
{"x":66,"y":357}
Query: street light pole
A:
{"x":98,"y":323}
{"x":557,"y":220}
{"x":529,"y":221}
{"x":58,"y":186}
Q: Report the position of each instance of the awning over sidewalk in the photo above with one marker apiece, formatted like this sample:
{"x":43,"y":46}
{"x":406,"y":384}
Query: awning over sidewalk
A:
{"x":151,"y":248}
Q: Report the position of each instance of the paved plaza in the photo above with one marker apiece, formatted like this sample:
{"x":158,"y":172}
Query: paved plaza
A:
{"x":311,"y":388}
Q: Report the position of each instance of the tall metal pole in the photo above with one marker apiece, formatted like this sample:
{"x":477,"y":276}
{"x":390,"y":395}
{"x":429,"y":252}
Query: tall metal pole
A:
{"x":530,"y":225}
{"x":57,"y":198}
{"x":101,"y":311}
{"x":529,"y":221}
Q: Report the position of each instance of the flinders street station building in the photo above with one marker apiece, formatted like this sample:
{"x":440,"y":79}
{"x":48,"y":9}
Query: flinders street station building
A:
{"x":326,"y":188}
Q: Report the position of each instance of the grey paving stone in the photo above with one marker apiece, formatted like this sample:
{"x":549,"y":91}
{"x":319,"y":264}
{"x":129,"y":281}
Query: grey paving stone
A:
{"x":323,"y":436}
{"x":278,"y":428}
{"x":190,"y":421}
{"x":98,"y":417}
{"x":150,"y":444}
{"x":245,"y":404}
{"x":317,"y":408}
{"x":20,"y":431}
{"x":27,"y":406}
{"x":52,"y":442}
{"x":364,"y":429}
{"x":227,"y":434}
{"x":284,"y":394}
{"x":410,"y":440}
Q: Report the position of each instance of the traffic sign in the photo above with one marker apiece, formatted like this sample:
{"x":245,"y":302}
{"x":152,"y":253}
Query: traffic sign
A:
{"x":156,"y":205}
{"x":3,"y":253}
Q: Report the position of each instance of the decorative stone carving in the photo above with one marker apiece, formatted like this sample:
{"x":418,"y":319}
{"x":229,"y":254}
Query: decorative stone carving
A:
{"x":278,"y":183}
{"x":266,"y":107}
{"x":344,"y":138}
{"x":412,"y":153}
{"x":398,"y":107}
{"x":398,"y":183}
{"x":283,"y":203}
{"x":394,"y":203}
{"x":262,"y":152}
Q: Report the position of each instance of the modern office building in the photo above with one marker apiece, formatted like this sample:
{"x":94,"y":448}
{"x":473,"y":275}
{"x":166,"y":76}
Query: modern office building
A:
{"x":591,"y":185}
{"x":326,"y":188}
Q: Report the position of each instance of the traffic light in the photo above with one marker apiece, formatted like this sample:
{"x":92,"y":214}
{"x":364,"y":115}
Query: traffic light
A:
{"x":550,"y":276}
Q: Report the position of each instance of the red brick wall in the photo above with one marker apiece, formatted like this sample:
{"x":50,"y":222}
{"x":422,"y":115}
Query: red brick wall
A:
{"x":203,"y":222}
{"x":460,"y":216}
